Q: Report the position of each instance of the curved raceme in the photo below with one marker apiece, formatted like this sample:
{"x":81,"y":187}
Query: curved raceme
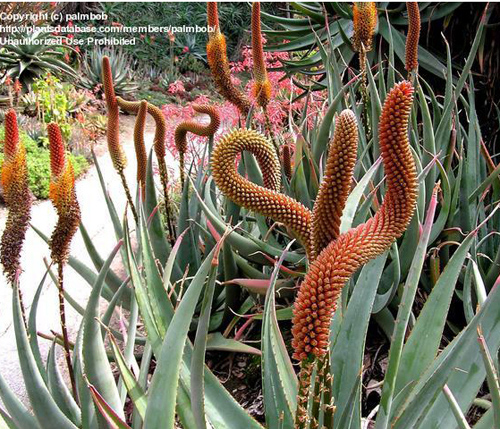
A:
{"x":266,"y":200}
{"x":317,"y":297}
{"x":336,"y":182}
{"x":17,"y":196}
{"x":206,"y":130}
{"x":113,"y":130}
{"x":140,"y":146}
{"x":63,"y":196}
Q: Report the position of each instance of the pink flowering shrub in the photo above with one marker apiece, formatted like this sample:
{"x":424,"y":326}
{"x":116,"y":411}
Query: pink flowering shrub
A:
{"x":176,"y":87}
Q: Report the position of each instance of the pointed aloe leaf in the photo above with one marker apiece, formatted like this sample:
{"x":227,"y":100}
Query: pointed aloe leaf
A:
{"x":46,"y":411}
{"x":18,"y":412}
{"x":403,"y":318}
{"x":114,"y":420}
{"x":278,"y":377}
{"x":165,"y":381}
{"x":95,"y":359}
{"x":59,"y":389}
{"x":347,"y":351}
{"x":5,"y":421}
{"x":460,"y":366}
{"x":134,"y":389}
{"x":423,"y":343}
{"x":216,"y":341}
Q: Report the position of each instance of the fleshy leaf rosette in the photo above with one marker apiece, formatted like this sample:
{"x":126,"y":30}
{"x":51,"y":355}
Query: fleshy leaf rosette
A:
{"x":413,"y":36}
{"x":14,"y":178}
{"x":266,"y":200}
{"x":262,"y":85}
{"x":206,"y":130}
{"x":364,"y":23}
{"x":219,"y":63}
{"x":63,"y":196}
{"x":327,"y":275}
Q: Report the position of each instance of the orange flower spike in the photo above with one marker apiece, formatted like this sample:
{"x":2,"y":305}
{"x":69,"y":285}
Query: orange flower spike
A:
{"x":113,"y":131}
{"x":262,"y":85}
{"x":317,"y":297}
{"x":413,"y":36}
{"x":266,"y":200}
{"x":287,"y":161}
{"x":63,"y":196}
{"x":219,"y":64}
{"x":140,"y":147}
{"x":336,"y":183}
{"x":364,"y":22}
{"x":17,"y":196}
{"x":180,"y":136}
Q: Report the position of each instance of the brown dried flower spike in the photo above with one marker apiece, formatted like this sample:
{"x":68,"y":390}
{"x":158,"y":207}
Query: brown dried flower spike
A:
{"x":17,"y":197}
{"x":317,"y":297}
{"x":184,"y":127}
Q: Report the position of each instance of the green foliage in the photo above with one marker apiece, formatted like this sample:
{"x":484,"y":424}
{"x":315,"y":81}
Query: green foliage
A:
{"x":120,"y":66}
{"x":33,"y":57}
{"x":38,"y":160}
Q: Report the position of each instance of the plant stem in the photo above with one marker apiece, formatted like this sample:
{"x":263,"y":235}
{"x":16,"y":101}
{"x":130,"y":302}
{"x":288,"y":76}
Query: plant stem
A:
{"x":62,"y":313}
{"x":127,"y":193}
{"x":164,"y":181}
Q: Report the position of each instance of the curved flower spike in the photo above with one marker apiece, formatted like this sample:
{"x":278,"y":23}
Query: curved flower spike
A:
{"x":262,"y":85}
{"x":266,"y":200}
{"x":336,"y":183}
{"x":364,"y":22}
{"x":219,"y":64}
{"x":17,"y":197}
{"x":317,"y":297}
{"x":113,"y":131}
{"x":140,"y":147}
{"x":413,"y":36}
{"x":63,"y":196}
{"x":196,"y":128}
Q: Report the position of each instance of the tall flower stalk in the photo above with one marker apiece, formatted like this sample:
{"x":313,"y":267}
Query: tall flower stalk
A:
{"x":140,"y":146}
{"x":63,"y":196}
{"x":14,"y":178}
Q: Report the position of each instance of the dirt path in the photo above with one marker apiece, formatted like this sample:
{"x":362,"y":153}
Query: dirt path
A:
{"x":96,"y":219}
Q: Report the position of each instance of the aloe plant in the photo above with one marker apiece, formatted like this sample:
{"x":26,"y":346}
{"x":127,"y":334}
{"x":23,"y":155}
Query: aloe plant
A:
{"x":228,"y":262}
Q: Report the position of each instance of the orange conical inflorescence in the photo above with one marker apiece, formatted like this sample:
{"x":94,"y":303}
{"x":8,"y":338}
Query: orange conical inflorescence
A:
{"x":262,"y":85}
{"x":364,"y":22}
{"x":317,"y":297}
{"x":113,"y":131}
{"x":413,"y":36}
{"x":63,"y":196}
{"x":140,"y":146}
{"x":17,"y":196}
{"x":266,"y":200}
{"x":219,"y":64}
{"x":207,"y":130}
{"x":336,"y":183}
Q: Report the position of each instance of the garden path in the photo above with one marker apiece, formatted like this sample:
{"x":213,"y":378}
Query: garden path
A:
{"x":96,"y":219}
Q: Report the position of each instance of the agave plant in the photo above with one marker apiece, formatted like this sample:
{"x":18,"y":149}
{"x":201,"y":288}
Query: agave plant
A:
{"x":231,"y":266}
{"x":120,"y":64}
{"x":33,"y":55}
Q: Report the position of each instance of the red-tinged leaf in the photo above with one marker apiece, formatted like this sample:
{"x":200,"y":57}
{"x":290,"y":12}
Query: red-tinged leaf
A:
{"x":107,"y":412}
